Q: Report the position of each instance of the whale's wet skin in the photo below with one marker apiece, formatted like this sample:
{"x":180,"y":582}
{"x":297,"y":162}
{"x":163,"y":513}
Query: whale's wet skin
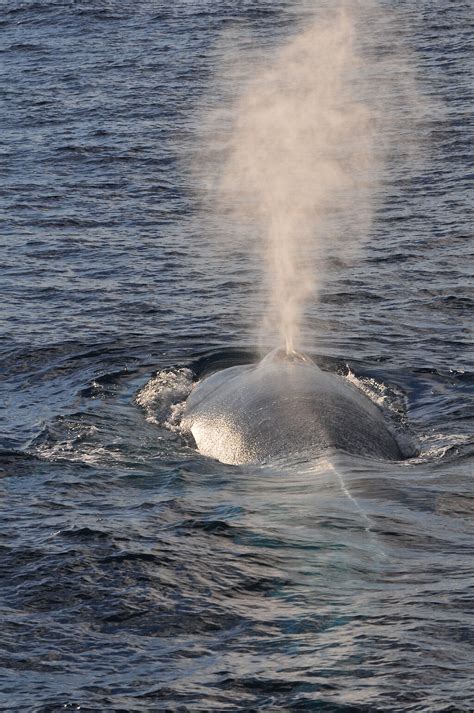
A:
{"x":284,"y":406}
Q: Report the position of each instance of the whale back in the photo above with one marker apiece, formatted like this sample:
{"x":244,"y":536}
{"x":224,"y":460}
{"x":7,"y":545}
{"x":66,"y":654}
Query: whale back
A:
{"x":281,"y":407}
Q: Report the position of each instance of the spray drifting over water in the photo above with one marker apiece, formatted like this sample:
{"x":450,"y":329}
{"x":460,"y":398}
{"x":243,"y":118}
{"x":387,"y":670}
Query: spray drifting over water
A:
{"x":301,"y":155}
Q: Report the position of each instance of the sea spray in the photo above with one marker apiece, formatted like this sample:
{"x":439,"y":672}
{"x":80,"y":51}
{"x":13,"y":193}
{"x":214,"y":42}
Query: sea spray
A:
{"x":300,"y":147}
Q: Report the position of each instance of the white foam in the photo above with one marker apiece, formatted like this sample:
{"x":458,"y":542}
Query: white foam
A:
{"x":164,"y":395}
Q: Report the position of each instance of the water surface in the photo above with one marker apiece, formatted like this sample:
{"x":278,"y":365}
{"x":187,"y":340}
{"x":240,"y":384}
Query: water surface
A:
{"x":136,"y":574}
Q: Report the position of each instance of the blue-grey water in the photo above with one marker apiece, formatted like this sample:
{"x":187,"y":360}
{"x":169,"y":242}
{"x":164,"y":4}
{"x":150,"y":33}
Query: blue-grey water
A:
{"x":135,"y":574}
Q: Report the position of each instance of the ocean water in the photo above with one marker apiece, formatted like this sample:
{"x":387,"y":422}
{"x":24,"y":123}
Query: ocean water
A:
{"x":136,"y":574}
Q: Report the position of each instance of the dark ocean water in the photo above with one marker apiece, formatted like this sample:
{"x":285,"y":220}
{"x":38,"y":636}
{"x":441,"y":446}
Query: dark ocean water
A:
{"x":135,"y":574}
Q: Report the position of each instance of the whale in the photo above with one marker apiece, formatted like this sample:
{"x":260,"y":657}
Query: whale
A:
{"x":284,"y":406}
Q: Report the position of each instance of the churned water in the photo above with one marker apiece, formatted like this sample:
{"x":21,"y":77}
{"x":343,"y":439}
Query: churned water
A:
{"x":137,"y":575}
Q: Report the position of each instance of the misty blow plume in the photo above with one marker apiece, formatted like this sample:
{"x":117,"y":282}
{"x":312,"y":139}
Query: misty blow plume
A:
{"x":302,"y":145}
